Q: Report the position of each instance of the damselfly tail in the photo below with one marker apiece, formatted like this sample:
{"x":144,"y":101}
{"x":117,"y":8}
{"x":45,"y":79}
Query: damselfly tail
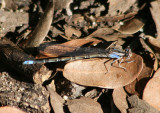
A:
{"x":28,"y":62}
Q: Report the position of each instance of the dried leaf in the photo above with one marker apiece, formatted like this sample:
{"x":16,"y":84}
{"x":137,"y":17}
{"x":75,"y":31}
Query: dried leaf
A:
{"x":99,"y":32}
{"x":115,"y":18}
{"x":69,"y":31}
{"x":59,"y":5}
{"x":137,"y":86}
{"x":77,"y":18}
{"x":119,"y":98}
{"x":132,"y":26}
{"x":151,"y":92}
{"x":153,"y":41}
{"x":155,"y":11}
{"x":84,"y":105}
{"x":151,"y":51}
{"x":93,"y":72}
{"x":8,"y":109}
{"x":157,"y":73}
{"x":119,"y":6}
{"x":56,"y":101}
{"x":108,"y":34}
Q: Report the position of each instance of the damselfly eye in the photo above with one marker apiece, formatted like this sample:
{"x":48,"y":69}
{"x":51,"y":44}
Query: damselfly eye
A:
{"x":128,"y":52}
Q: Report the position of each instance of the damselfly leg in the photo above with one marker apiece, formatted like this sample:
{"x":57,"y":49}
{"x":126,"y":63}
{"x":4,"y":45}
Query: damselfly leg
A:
{"x":119,"y":64}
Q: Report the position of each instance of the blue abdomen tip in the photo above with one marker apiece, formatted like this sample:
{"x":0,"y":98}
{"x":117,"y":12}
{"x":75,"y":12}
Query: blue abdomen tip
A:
{"x":28,"y":62}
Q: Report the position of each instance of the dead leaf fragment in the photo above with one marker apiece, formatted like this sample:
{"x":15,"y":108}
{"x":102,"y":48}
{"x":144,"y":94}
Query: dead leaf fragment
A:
{"x":8,"y":109}
{"x":153,"y":41}
{"x":151,"y":92}
{"x":92,"y":72}
{"x":157,"y":73}
{"x":56,"y":101}
{"x":137,"y":86}
{"x":99,"y":32}
{"x":151,"y":51}
{"x":155,"y":11}
{"x":69,"y":31}
{"x":84,"y":105}
{"x":77,"y":18}
{"x":132,"y":26}
{"x":119,"y":98}
{"x":119,"y":6}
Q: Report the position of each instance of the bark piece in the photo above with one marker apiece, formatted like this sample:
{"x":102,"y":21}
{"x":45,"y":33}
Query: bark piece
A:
{"x":32,"y":98}
{"x":140,"y":106}
{"x":13,"y":58}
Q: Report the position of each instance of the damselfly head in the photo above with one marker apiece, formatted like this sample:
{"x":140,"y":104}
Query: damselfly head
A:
{"x":128,"y":52}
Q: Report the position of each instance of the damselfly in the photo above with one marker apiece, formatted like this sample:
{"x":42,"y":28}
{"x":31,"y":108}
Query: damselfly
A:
{"x":112,"y":53}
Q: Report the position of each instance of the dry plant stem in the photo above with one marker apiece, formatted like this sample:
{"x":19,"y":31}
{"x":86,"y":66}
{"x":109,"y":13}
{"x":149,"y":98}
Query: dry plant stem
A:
{"x":42,"y":28}
{"x":155,"y":11}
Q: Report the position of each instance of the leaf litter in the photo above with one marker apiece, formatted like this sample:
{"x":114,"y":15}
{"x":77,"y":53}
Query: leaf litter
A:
{"x":93,"y":24}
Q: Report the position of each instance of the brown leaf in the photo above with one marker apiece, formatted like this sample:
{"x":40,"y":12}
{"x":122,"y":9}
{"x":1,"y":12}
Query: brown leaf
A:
{"x":153,"y":41}
{"x":77,"y":18}
{"x":137,"y":86}
{"x":155,"y":11}
{"x":151,"y":92}
{"x":69,"y":31}
{"x":132,"y":26}
{"x":108,"y":34}
{"x":84,"y":105}
{"x":115,"y":18}
{"x":56,"y":101}
{"x":55,"y":50}
{"x":99,"y":32}
{"x":119,"y":98}
{"x":157,"y":73}
{"x":93,"y":72}
{"x":59,"y":5}
{"x":151,"y":51}
{"x":119,"y":6}
{"x":8,"y":109}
